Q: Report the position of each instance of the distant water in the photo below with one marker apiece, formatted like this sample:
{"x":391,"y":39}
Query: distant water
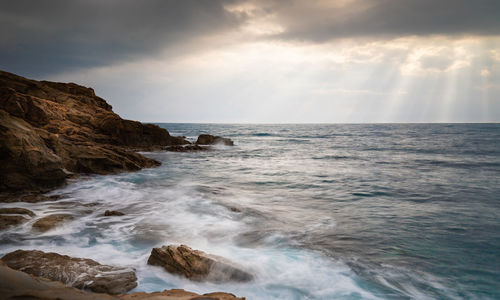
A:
{"x":393,"y":211}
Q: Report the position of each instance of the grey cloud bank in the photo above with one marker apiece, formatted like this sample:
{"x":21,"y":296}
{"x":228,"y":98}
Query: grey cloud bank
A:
{"x":266,"y":61}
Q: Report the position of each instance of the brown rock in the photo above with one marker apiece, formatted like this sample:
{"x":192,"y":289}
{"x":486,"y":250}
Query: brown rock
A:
{"x":19,"y":285}
{"x":16,"y":210}
{"x":77,"y":272}
{"x":50,"y":130}
{"x":207,"y":139}
{"x":186,"y":148}
{"x":9,"y":221}
{"x":51,"y":221}
{"x":110,"y":213}
{"x":30,"y":198}
{"x":196,"y":265}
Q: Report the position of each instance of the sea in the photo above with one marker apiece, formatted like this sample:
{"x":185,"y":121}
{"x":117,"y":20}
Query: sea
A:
{"x":314,"y":211}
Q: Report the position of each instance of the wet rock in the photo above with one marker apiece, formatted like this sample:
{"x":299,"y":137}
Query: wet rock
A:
{"x":9,"y":221}
{"x":30,"y":198}
{"x":19,"y":285}
{"x":196,"y":265}
{"x":207,"y":139}
{"x":234,"y":209}
{"x":17,"y":211}
{"x":110,"y":213}
{"x":77,"y":272}
{"x":186,"y":148}
{"x":50,"y":222}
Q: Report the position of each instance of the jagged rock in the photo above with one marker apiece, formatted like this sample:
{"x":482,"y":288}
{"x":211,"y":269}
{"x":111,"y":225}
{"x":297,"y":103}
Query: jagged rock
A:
{"x":49,"y":131}
{"x":110,"y":213}
{"x":19,"y":285}
{"x":77,"y":272}
{"x":196,"y":265}
{"x":17,"y":211}
{"x":207,"y":139}
{"x":51,"y":221}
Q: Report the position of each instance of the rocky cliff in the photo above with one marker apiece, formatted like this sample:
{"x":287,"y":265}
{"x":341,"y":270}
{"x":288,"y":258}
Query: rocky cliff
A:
{"x":50,"y":131}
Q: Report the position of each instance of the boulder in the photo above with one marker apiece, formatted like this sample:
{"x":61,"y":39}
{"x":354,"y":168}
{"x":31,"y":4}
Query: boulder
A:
{"x":77,"y":272}
{"x":110,"y":213}
{"x":196,"y":265}
{"x":207,"y":139}
{"x":51,"y":221}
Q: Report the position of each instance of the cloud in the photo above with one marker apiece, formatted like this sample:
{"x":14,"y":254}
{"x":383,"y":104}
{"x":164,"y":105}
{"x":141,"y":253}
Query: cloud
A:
{"x":46,"y":37}
{"x":321,"y":21}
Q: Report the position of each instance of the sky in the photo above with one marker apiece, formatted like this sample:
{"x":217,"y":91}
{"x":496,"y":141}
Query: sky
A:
{"x":266,"y":61}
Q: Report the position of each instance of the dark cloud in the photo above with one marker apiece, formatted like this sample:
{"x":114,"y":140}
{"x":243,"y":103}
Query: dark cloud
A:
{"x":321,"y":21}
{"x":44,"y":37}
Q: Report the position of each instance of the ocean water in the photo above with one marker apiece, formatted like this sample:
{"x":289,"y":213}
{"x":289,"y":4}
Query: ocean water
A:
{"x":386,"y":211}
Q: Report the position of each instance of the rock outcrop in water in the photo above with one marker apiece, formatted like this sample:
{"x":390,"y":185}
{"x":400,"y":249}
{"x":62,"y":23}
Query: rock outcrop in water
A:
{"x":207,"y":139}
{"x":50,"y":131}
{"x":196,"y":265}
{"x":77,"y":272}
{"x":19,"y":285}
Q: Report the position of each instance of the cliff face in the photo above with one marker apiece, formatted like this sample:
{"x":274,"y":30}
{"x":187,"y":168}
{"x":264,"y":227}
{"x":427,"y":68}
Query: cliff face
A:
{"x":50,"y":131}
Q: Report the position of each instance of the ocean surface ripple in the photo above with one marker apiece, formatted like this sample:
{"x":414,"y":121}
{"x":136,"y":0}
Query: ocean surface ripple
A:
{"x":385,"y":211}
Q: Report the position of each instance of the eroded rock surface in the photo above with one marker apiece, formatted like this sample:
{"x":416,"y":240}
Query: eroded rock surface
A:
{"x":14,"y":216}
{"x":77,"y":272}
{"x":49,"y":131}
{"x":51,"y":221}
{"x":196,"y":265}
{"x":207,"y":139}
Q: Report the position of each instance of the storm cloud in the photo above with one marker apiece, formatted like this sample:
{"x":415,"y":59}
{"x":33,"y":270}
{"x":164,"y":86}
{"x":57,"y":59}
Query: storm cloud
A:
{"x":50,"y":36}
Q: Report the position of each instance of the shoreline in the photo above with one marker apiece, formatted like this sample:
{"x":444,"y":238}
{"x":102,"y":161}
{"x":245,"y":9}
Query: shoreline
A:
{"x":52,"y":132}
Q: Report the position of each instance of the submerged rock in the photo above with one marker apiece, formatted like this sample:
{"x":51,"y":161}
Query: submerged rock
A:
{"x":110,"y":213}
{"x":196,"y":265}
{"x":77,"y":272}
{"x":30,"y":198}
{"x":207,"y":139}
{"x":9,"y":221}
{"x":10,"y":216}
{"x":50,"y":222}
{"x":17,"y":211}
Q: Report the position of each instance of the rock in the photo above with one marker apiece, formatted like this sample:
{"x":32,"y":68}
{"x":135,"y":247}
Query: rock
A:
{"x":50,"y":131}
{"x":77,"y":272}
{"x":179,"y":294}
{"x":207,"y":139}
{"x":19,"y":285}
{"x":196,"y":265}
{"x":186,"y":148}
{"x":30,"y":198}
{"x":110,"y":213}
{"x":51,"y":221}
{"x":9,"y":221}
{"x":16,"y":210}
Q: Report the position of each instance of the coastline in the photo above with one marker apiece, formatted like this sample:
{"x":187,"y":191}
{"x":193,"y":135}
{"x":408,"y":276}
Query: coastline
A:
{"x":51,"y":132}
